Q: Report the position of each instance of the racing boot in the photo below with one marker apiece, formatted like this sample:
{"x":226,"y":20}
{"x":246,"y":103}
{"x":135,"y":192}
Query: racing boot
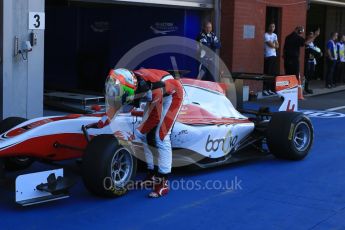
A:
{"x":148,"y":181}
{"x":161,"y":186}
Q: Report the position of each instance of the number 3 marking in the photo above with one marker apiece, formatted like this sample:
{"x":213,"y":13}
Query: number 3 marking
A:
{"x":38,"y":22}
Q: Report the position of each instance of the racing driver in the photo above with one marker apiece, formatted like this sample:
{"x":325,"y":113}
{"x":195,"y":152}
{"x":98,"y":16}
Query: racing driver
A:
{"x":164,"y":96}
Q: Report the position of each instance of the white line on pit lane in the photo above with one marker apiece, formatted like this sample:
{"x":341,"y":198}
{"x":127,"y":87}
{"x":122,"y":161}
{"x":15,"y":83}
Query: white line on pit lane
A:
{"x":336,"y":108}
{"x":322,"y":114}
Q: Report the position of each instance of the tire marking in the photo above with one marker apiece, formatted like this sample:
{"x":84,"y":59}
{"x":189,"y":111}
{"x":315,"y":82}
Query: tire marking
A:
{"x":292,"y":130}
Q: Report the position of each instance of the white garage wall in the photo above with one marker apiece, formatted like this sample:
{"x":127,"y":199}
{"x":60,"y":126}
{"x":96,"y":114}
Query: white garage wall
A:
{"x":22,"y":80}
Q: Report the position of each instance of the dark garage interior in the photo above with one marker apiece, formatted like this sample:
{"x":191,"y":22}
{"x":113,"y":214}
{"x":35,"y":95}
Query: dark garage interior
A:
{"x":83,"y":41}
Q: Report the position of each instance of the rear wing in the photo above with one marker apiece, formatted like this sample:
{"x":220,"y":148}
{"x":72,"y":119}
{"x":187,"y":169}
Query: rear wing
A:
{"x":287,"y":87}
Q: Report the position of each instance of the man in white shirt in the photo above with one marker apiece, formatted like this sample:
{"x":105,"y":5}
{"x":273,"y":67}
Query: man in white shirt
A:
{"x":271,"y":61}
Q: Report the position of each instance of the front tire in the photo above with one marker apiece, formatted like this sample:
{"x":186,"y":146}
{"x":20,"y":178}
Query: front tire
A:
{"x":18,"y":163}
{"x":14,"y":163}
{"x":108,"y":168}
{"x":290,"y":135}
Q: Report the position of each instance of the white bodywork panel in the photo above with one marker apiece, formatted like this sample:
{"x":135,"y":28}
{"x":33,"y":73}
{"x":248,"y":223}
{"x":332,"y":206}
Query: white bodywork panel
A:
{"x":212,"y":141}
{"x":216,"y":103}
{"x":52,"y":128}
{"x":223,"y":138}
{"x":287,"y":87}
{"x":290,"y":99}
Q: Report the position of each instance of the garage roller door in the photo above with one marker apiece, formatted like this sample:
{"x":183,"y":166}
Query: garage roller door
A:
{"x":174,"y":3}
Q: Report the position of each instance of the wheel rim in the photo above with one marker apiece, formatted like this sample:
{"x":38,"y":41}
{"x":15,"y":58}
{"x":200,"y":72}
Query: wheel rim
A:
{"x":121,"y":167}
{"x":301,"y":136}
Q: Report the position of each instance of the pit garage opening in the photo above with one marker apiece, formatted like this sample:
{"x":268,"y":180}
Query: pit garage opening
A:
{"x":85,"y":39}
{"x":329,"y":16}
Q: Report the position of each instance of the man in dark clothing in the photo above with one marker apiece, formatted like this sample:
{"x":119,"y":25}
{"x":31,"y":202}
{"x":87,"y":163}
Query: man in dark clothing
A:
{"x":209,"y":39}
{"x":312,"y":53}
{"x":292,"y":47}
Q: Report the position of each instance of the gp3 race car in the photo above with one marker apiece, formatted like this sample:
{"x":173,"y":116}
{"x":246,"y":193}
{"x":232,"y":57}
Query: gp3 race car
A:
{"x":209,"y":132}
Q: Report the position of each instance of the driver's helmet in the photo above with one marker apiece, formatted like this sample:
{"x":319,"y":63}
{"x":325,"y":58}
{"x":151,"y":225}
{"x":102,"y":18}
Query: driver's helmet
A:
{"x":120,"y":87}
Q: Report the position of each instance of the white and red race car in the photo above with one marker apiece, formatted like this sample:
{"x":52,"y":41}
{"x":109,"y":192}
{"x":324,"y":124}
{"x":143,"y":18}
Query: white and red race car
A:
{"x":209,"y":132}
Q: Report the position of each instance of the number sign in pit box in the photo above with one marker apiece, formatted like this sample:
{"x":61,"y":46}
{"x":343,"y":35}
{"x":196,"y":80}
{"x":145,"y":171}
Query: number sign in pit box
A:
{"x":36,"y":20}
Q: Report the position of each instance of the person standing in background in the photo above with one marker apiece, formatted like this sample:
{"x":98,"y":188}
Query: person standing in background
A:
{"x":312,"y":53}
{"x":340,"y":76}
{"x":271,"y":62}
{"x":209,"y":39}
{"x":292,"y":47}
{"x":331,"y":60}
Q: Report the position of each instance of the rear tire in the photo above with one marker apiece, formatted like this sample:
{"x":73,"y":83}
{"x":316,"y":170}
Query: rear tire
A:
{"x":14,"y":163}
{"x":108,"y":168}
{"x":290,"y":135}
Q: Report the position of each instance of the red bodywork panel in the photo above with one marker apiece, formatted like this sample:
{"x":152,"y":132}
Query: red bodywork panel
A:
{"x":43,"y":147}
{"x":151,"y":75}
{"x":214,"y":86}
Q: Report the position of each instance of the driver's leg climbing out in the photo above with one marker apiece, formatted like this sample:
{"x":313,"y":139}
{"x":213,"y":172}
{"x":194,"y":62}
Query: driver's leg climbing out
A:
{"x":160,"y":114}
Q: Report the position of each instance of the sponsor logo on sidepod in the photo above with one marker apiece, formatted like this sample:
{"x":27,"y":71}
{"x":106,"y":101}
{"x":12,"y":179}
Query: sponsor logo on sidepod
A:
{"x":226,"y":143}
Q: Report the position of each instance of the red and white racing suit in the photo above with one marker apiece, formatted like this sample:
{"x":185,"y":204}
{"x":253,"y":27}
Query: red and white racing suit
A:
{"x":160,"y":112}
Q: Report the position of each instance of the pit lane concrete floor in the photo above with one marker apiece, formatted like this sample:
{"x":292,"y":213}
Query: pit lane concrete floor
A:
{"x":270,"y":193}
